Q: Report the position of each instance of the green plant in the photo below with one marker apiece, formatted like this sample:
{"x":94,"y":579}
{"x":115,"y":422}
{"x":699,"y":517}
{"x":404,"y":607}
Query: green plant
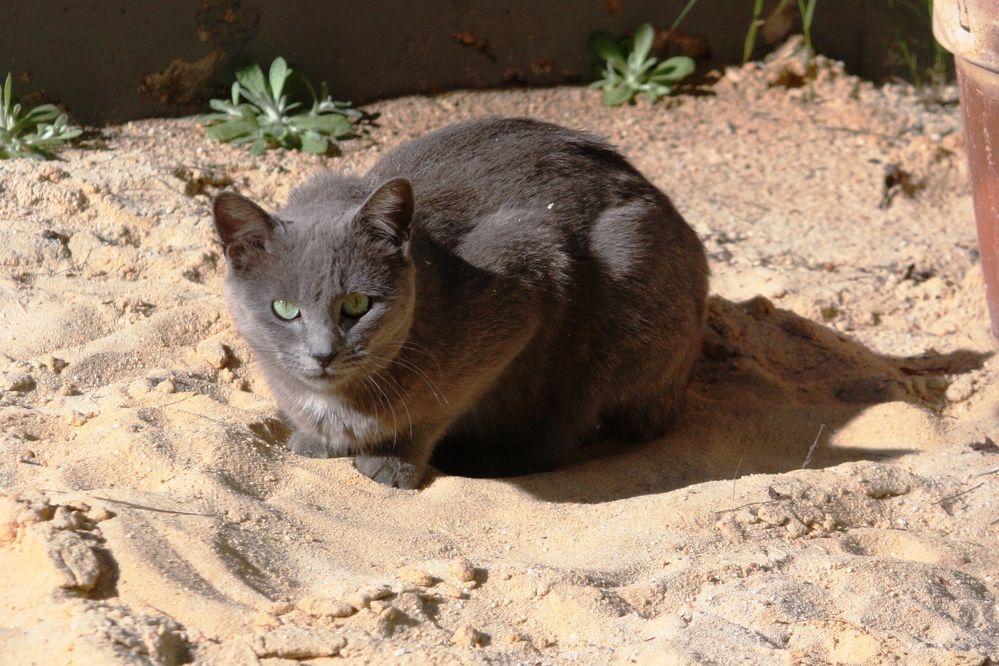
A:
{"x":754,"y":28}
{"x":628,"y":69}
{"x":266,"y":119}
{"x":36,"y":133}
{"x":806,"y":8}
{"x":935,"y":75}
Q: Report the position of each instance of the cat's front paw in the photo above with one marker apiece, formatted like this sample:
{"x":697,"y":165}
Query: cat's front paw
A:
{"x":305,"y":444}
{"x":390,"y":471}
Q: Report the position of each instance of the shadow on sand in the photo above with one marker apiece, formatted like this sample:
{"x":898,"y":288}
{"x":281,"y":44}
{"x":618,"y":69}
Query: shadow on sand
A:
{"x":770,"y":384}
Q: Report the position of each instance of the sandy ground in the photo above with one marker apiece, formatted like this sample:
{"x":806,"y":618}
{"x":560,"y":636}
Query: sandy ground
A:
{"x":829,"y":498}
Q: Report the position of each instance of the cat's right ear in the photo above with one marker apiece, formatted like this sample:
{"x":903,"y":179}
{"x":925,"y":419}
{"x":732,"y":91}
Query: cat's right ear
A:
{"x":243,"y":226}
{"x":388,"y":212}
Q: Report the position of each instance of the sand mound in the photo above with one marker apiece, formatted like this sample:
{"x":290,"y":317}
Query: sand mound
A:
{"x":829,"y":497}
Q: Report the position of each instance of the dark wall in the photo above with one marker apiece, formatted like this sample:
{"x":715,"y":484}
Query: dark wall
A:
{"x":112,"y":60}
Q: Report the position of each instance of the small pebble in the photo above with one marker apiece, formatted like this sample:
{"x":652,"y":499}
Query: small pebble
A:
{"x":214,"y":353}
{"x":321,"y":606}
{"x":363,"y":598}
{"x":56,"y":364}
{"x":139,"y":387}
{"x":68,"y":390}
{"x":51,"y":174}
{"x":166,"y":386}
{"x":100,"y":514}
{"x":463,"y":570}
{"x":452,"y":592}
{"x":390,"y":614}
{"x":466,"y":636}
{"x":22,"y":383}
{"x":280,"y":608}
{"x":417,"y":577}
{"x":76,"y":419}
{"x":960,"y":389}
{"x":263,"y":620}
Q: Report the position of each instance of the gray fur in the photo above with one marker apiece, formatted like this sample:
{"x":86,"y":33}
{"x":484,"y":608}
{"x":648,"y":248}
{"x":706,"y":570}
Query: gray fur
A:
{"x":543,"y":295}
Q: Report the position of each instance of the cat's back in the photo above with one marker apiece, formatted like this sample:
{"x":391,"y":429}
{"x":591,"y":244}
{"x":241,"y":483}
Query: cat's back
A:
{"x":510,"y":162}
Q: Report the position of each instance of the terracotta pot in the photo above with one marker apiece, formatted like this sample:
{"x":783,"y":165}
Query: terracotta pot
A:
{"x":970,"y":30}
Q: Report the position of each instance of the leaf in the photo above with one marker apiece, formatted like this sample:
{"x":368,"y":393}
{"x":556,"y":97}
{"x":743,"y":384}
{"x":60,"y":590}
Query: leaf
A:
{"x":332,"y":123}
{"x":617,"y":95}
{"x":612,"y":75}
{"x":655,"y":92}
{"x":278,"y":75}
{"x":673,"y":69}
{"x":259,"y":147}
{"x":644,"y":67}
{"x":41,"y":114}
{"x":50,"y":137}
{"x":227,"y":108}
{"x":643,"y":41}
{"x":314,"y":143}
{"x":251,"y":77}
{"x":255,"y":88}
{"x":8,"y":96}
{"x":605,"y":47}
{"x":232,"y":129}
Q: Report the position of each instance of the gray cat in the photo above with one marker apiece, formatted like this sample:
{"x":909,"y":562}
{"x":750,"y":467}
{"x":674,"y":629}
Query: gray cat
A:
{"x":494,"y":298}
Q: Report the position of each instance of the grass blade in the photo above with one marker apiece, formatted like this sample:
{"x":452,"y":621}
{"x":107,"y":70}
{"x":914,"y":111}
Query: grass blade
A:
{"x":683,"y":13}
{"x":754,"y":28}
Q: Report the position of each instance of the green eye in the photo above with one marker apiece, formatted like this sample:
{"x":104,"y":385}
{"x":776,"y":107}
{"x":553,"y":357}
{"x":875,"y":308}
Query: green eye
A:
{"x":285,"y":309}
{"x":355,"y":305}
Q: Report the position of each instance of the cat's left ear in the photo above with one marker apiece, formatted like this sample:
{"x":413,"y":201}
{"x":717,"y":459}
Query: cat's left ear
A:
{"x":243,"y":226}
{"x":388,"y":212}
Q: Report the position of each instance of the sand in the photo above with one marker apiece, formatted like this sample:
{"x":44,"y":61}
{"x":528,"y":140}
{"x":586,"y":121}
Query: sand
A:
{"x":829,"y":497}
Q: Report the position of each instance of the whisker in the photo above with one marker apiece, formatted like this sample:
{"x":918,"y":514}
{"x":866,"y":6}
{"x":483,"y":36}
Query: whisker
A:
{"x":395,"y":423}
{"x":406,"y":365}
{"x":402,"y":400}
{"x":422,"y":375}
{"x":413,"y":346}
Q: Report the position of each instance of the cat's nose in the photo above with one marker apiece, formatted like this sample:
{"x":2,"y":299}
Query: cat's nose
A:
{"x":324,"y":359}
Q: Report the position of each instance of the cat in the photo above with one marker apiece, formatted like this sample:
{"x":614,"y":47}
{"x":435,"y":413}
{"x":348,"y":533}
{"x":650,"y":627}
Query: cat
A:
{"x":490,"y":299}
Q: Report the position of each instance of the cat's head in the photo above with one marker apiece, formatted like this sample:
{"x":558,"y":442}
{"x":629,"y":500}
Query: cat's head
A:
{"x":322,"y":291}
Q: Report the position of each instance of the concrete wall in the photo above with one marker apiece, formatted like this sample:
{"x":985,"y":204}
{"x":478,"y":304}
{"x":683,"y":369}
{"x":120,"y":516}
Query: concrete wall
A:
{"x":113,"y":60}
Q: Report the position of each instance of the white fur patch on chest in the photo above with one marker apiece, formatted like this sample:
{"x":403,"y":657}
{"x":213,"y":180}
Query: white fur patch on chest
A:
{"x":336,"y":421}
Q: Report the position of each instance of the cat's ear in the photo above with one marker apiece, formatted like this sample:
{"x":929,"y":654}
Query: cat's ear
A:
{"x":388,"y":212}
{"x":243,"y":226}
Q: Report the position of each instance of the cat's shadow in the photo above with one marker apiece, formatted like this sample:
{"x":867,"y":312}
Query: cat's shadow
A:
{"x":770,"y":385}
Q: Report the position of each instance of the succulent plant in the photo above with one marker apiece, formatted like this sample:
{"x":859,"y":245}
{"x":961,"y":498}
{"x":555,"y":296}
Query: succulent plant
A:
{"x":260,"y":114}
